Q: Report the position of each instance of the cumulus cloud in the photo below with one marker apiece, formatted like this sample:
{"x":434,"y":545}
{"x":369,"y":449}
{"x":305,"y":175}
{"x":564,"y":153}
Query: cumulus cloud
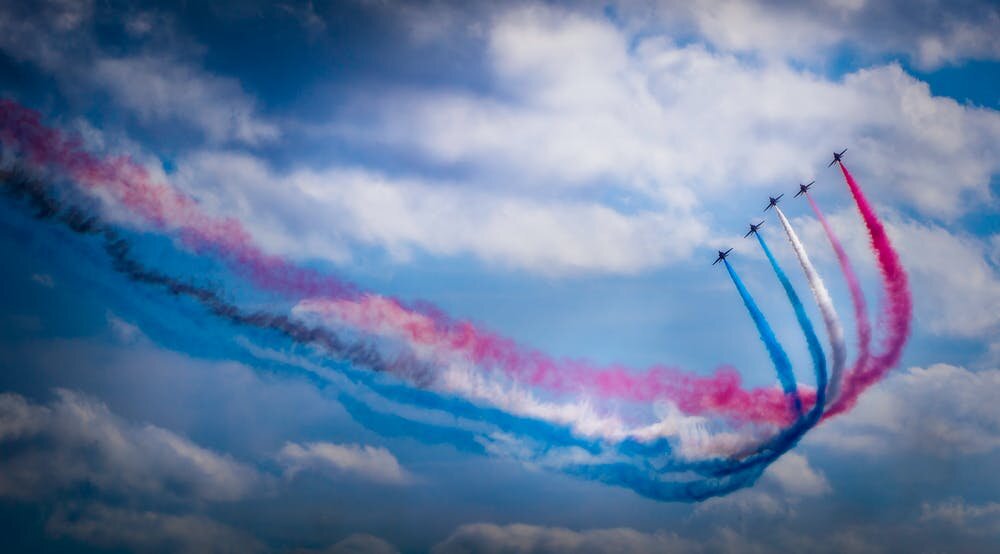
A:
{"x":367,"y":462}
{"x":793,"y":474}
{"x":941,"y":410}
{"x":157,"y":86}
{"x":145,"y":531}
{"x":358,"y":543}
{"x":975,"y":518}
{"x":930,"y":33}
{"x":122,"y":330}
{"x":784,"y":484}
{"x":51,"y":448}
{"x":582,"y":104}
{"x":43,"y":279}
{"x":776,"y":537}
{"x":323,"y":214}
{"x":161,"y":89}
{"x":519,"y":538}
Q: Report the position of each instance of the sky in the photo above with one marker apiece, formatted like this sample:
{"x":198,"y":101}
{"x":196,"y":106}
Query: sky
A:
{"x":216,"y":363}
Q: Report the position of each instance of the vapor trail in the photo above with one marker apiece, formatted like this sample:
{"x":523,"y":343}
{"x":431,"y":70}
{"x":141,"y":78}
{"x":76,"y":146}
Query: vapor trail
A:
{"x":834,"y":331}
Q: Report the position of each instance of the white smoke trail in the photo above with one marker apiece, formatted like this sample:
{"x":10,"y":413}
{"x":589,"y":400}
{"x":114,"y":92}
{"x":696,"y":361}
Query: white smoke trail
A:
{"x":834,"y":331}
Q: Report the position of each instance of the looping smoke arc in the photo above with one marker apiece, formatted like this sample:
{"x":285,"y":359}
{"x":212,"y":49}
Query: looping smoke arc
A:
{"x":683,"y":436}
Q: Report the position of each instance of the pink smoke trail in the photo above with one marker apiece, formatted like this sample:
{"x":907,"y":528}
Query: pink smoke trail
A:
{"x":864,"y":329}
{"x":897,"y":310}
{"x":720,"y":393}
{"x":169,"y":210}
{"x":159,"y":205}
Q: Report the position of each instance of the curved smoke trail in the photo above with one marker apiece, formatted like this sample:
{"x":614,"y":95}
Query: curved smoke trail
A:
{"x":722,"y":475}
{"x":770,"y":450}
{"x":812,"y":341}
{"x":864,"y":329}
{"x":170,"y":211}
{"x":834,"y":331}
{"x":782,"y":365}
{"x":896,"y":310}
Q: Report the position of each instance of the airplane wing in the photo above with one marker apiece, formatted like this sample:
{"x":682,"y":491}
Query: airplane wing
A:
{"x":748,"y":233}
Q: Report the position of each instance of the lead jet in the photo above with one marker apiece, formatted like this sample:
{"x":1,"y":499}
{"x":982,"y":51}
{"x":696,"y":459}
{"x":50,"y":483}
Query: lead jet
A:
{"x":722,"y":256}
{"x":753,"y":229}
{"x":803,"y":189}
{"x":836,"y":157}
{"x":772,"y":202}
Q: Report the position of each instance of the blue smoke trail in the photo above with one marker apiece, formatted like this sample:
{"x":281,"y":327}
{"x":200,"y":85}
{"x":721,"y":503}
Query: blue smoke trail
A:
{"x":815,"y":349}
{"x":782,"y":365}
{"x":789,"y":436}
{"x":635,"y":468}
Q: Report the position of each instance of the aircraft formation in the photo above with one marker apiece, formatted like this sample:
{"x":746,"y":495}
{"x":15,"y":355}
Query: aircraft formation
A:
{"x":772,"y":201}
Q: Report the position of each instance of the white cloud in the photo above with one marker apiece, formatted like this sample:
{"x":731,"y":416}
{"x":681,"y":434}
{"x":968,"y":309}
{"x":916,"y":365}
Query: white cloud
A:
{"x":941,"y":410}
{"x":43,"y":279}
{"x":519,"y":538}
{"x":358,"y":543}
{"x":145,"y":531}
{"x":159,"y":89}
{"x":974,"y":518}
{"x":18,"y":417}
{"x":75,"y":439}
{"x":322,"y":214}
{"x":368,"y":462}
{"x":777,"y":537}
{"x":581,"y":106}
{"x":930,"y":33}
{"x":122,"y":330}
{"x":157,"y":86}
{"x":784,"y":484}
{"x":795,"y":476}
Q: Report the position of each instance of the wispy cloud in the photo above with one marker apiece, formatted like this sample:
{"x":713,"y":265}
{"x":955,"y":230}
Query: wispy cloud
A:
{"x":75,"y":439}
{"x":156,"y":86}
{"x":351,"y":460}
{"x":942,"y":410}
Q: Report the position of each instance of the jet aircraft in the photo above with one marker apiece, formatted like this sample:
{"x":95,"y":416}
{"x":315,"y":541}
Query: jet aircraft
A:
{"x":803,"y":189}
{"x":722,"y":256}
{"x":772,"y":202}
{"x":753,"y":229}
{"x":836,"y":157}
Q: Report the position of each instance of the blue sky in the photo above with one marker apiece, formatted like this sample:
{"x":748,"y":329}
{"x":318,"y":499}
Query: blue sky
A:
{"x":558,"y":172}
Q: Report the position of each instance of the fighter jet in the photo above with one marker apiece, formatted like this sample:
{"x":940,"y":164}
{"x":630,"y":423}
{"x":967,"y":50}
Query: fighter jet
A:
{"x":753,"y":229}
{"x":836,"y":157}
{"x":722,"y":256}
{"x":772,"y":202}
{"x":803,"y":189}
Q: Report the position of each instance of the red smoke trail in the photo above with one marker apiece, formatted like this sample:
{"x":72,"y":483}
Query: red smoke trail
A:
{"x":896,"y":311}
{"x":864,"y":329}
{"x":169,"y":210}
